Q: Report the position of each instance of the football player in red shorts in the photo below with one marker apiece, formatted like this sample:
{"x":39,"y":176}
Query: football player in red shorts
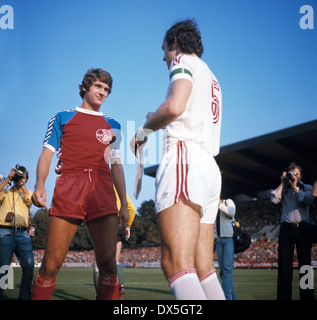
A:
{"x":89,"y":167}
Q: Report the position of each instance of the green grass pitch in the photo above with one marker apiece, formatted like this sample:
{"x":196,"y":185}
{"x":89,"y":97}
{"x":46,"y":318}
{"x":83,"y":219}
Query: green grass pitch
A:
{"x":150,"y":284}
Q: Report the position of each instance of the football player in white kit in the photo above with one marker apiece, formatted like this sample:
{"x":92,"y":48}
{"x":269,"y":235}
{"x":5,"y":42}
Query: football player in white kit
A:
{"x":188,"y":180}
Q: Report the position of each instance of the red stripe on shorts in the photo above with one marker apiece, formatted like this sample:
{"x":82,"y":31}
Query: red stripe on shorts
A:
{"x":185,"y":189}
{"x":181,"y":171}
{"x":178,"y":166}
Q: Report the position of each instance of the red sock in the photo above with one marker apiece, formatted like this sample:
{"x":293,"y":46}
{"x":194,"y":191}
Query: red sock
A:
{"x":43,"y":289}
{"x":108,"y":288}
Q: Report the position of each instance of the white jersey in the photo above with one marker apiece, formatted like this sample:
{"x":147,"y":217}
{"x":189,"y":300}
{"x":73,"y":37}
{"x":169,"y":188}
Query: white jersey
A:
{"x":188,"y":167}
{"x":201,"y":120}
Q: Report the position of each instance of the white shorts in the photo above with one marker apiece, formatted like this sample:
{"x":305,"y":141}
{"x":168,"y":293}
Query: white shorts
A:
{"x":186,"y":169}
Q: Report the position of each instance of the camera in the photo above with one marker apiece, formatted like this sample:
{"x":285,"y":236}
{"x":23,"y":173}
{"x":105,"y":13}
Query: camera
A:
{"x":20,"y":172}
{"x":289,"y":176}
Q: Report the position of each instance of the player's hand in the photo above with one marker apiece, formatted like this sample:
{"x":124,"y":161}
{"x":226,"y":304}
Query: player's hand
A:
{"x":123,"y":217}
{"x":149,"y":115}
{"x":139,"y":139}
{"x":136,"y":144}
{"x":39,"y":196}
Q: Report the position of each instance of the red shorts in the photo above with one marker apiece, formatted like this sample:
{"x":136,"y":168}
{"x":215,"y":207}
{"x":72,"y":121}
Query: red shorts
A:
{"x":84,"y":196}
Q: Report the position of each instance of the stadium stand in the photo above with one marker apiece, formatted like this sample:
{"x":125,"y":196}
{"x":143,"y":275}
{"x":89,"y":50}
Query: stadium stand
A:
{"x":252,"y":167}
{"x":259,"y":218}
{"x":250,"y":170}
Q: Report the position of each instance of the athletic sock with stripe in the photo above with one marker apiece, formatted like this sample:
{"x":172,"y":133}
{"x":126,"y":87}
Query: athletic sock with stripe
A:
{"x":108,"y":288}
{"x":185,"y":285}
{"x":211,"y":286}
{"x":43,"y":289}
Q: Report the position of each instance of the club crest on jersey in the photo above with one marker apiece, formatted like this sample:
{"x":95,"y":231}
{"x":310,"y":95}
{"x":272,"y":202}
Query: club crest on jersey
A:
{"x":104,"y":136}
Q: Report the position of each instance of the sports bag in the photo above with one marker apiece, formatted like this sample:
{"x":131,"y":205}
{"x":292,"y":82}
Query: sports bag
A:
{"x":242,"y":240}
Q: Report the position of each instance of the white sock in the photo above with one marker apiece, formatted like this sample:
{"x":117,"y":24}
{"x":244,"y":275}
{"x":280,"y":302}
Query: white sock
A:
{"x":185,"y":285}
{"x":211,"y":286}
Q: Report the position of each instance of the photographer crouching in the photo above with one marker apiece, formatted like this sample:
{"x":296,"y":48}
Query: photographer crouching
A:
{"x":15,"y":204}
{"x":296,"y":199}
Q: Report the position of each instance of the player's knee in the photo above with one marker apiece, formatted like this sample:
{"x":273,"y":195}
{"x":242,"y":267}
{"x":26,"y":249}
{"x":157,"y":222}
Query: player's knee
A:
{"x":107,"y":266}
{"x":49,"y":269}
{"x":166,"y":262}
{"x":48,"y":273}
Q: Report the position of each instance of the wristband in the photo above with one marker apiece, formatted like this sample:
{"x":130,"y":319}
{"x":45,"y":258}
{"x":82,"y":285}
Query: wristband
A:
{"x":141,"y":134}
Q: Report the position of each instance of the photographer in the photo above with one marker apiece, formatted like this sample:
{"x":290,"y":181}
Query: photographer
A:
{"x":15,"y":204}
{"x":296,"y":198}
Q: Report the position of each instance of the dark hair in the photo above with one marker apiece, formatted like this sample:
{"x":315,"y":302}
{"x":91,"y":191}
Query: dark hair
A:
{"x":187,"y":37}
{"x":26,"y":174}
{"x":24,"y":171}
{"x":91,"y":76}
{"x":293,"y":166}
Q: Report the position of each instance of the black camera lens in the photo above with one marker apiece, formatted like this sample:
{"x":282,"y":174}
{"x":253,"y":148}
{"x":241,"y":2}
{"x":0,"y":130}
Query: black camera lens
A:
{"x":19,"y":173}
{"x":289,"y":176}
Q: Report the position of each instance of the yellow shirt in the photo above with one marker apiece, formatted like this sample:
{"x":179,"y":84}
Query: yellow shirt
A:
{"x":17,"y":202}
{"x":131,"y":208}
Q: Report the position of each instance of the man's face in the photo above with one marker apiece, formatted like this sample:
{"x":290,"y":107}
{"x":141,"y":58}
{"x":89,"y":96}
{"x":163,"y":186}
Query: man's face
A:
{"x":21,"y":181}
{"x":97,"y":94}
{"x":297,"y":173}
{"x":168,"y":55}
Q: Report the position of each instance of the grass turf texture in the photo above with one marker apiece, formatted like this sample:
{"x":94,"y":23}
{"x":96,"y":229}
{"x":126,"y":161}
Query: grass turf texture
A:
{"x":150,"y":284}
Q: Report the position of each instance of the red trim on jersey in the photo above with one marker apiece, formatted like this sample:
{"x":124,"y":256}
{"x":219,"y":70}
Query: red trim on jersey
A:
{"x":177,"y":59}
{"x":215,"y":107}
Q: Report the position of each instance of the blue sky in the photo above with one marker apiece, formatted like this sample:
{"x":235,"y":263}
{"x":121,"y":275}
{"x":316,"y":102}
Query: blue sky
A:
{"x":265,"y":63}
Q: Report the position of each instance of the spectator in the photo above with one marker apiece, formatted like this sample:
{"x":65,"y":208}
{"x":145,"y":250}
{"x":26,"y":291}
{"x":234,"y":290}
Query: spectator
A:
{"x":296,"y":198}
{"x":15,"y":207}
{"x":225,"y":246}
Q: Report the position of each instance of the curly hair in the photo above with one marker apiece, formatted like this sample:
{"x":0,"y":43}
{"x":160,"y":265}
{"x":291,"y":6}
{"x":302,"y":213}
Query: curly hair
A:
{"x":91,"y":76}
{"x":187,"y":37}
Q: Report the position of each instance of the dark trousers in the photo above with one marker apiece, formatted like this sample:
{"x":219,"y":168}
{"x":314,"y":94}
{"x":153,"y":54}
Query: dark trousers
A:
{"x":291,"y":236}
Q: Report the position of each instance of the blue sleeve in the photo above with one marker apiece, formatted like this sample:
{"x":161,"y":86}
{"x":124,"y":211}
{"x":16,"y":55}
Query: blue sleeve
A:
{"x":305,"y":195}
{"x":116,"y":127}
{"x":55,"y":127}
{"x":54,"y":133}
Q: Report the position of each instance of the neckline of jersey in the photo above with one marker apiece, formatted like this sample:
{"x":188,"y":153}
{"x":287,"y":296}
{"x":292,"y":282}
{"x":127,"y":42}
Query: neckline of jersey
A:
{"x":91,"y":112}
